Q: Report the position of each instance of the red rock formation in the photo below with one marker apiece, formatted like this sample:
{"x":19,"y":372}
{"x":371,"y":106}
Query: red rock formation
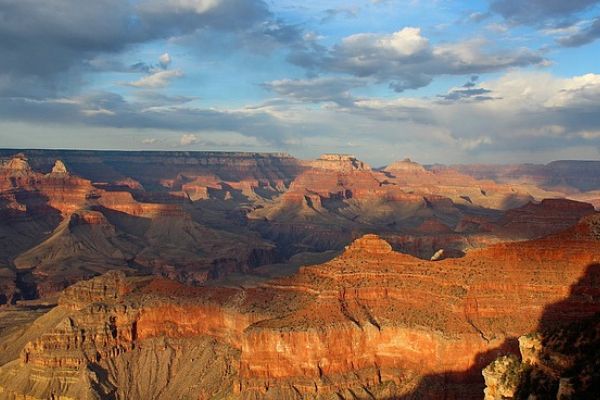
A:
{"x":338,"y":198}
{"x":405,"y":166}
{"x":339,"y":163}
{"x":125,"y":203}
{"x":536,"y":220}
{"x":470,"y":300}
{"x":58,"y":189}
{"x":369,"y":321}
{"x":150,"y":168}
{"x":103,"y":228}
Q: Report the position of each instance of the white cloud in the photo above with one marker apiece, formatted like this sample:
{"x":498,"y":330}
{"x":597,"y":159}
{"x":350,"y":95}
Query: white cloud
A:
{"x":406,"y":60}
{"x":165,"y":60}
{"x":157,"y":79}
{"x":580,"y":90}
{"x":97,"y":112}
{"x":590,"y":135}
{"x":474,"y":143}
{"x":188,"y":139}
{"x":405,"y":42}
{"x":497,"y":27}
{"x":196,"y":6}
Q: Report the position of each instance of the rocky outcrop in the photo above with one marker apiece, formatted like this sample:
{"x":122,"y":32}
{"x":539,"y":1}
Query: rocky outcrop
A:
{"x":369,"y":244}
{"x":59,"y":168}
{"x":530,"y":347}
{"x":556,"y":364}
{"x":37,"y":192}
{"x":339,"y":162}
{"x":17,"y":165}
{"x":109,"y":287}
{"x":61,"y":228}
{"x":149,"y":168}
{"x":502,"y":378}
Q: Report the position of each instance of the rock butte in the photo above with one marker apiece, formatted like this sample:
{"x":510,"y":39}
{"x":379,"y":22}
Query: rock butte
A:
{"x":405,"y":165}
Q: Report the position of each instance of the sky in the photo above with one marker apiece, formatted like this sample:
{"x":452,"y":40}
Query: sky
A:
{"x":480,"y":81}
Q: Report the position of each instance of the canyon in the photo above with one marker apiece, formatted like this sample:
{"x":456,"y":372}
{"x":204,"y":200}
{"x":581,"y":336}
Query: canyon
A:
{"x":208,"y":275}
{"x":371,"y":322}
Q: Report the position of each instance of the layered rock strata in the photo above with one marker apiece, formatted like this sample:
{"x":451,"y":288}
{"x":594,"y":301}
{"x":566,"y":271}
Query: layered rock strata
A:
{"x":371,"y":322}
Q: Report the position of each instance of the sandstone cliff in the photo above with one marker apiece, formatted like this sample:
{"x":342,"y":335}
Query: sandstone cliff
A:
{"x":370,"y":322}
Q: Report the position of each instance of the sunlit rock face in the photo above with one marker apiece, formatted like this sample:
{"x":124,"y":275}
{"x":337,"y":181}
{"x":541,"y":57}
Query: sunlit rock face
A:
{"x":339,"y":162}
{"x":59,"y":168}
{"x":371,"y":320}
{"x":62,"y":228}
{"x":405,"y":166}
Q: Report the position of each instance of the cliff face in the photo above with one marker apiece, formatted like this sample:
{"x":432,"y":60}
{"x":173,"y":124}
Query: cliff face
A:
{"x":377,"y":303}
{"x":151,"y":167}
{"x":338,"y":198}
{"x":58,"y":228}
{"x":61,"y":190}
{"x":549,"y":216}
{"x":371,"y":322}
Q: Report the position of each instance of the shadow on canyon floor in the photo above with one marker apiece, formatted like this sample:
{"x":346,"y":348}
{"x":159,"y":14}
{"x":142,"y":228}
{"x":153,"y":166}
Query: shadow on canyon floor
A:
{"x":582,"y":303}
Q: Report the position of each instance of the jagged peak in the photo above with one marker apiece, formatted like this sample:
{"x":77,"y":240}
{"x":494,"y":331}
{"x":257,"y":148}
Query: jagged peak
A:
{"x":59,"y":168}
{"x":370,"y":243}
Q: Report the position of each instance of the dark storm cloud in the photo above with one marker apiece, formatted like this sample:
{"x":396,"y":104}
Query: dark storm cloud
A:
{"x":173,"y":17}
{"x":538,"y":12}
{"x":557,"y":14}
{"x":585,"y":36}
{"x":470,"y":94}
{"x":41,"y":40}
{"x":330,"y":89}
{"x":112,"y":110}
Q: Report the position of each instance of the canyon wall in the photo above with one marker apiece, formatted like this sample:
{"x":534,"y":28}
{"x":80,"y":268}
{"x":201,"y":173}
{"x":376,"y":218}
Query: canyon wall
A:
{"x":369,"y":321}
